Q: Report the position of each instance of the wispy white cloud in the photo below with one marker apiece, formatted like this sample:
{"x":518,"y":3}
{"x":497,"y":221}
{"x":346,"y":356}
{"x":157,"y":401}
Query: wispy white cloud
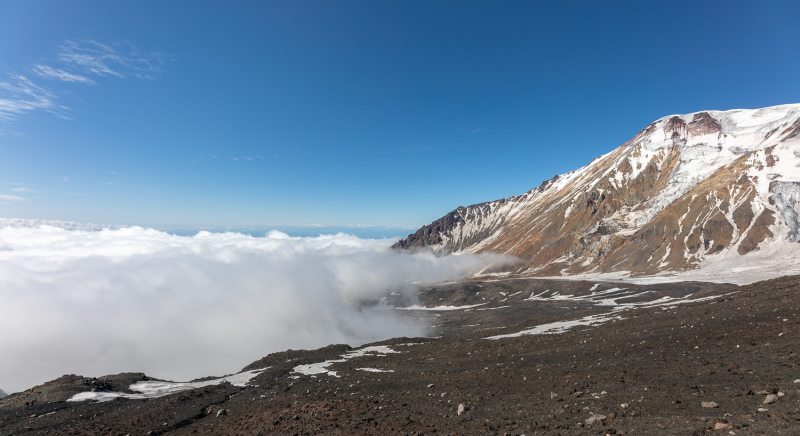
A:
{"x":92,"y":57}
{"x":22,"y":189}
{"x":20,"y":95}
{"x":11,"y":197}
{"x":77,"y":60}
{"x":53,"y":73}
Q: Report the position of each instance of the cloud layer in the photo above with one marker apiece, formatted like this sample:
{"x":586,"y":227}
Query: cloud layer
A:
{"x":182,"y":307}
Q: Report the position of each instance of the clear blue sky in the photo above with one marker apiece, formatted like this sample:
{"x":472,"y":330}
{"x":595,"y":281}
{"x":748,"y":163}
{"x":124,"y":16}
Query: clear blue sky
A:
{"x":336,"y":112}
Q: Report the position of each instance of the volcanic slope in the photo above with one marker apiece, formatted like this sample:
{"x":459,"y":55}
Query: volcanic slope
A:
{"x":716,"y":191}
{"x":725,"y":360}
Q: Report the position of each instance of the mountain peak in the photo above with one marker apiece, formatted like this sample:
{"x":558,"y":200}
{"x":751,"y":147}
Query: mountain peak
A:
{"x":689,"y":195}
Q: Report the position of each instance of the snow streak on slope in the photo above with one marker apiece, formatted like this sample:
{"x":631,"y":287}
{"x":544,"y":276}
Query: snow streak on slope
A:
{"x":687,"y":192}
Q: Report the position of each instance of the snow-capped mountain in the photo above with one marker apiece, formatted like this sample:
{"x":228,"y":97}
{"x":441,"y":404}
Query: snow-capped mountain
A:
{"x":710,"y":191}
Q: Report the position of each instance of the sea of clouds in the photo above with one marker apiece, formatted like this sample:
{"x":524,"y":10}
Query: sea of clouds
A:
{"x":182,"y":307}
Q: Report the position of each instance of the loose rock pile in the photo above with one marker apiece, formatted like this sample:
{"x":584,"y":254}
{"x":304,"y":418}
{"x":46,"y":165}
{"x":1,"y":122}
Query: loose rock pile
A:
{"x":98,"y":385}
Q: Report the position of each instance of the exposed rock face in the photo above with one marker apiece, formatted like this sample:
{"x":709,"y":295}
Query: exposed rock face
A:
{"x":685,"y":191}
{"x":703,"y":124}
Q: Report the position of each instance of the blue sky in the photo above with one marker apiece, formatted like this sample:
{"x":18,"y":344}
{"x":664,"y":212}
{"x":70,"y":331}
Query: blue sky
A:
{"x":388,"y":114}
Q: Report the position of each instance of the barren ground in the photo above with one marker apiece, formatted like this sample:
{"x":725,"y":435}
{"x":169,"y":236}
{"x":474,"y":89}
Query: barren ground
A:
{"x":647,"y":371}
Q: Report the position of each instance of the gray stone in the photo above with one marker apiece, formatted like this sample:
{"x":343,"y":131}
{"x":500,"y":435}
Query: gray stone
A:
{"x":772,"y":398}
{"x":221,"y":412}
{"x":553,"y":395}
{"x":462,"y":409}
{"x":709,"y":404}
{"x":595,"y":418}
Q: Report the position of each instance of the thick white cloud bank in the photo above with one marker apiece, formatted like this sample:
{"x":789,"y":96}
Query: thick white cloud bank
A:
{"x":178,"y":307}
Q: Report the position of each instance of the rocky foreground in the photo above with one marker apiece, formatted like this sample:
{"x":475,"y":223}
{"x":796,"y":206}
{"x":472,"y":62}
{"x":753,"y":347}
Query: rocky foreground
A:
{"x":725,"y":361}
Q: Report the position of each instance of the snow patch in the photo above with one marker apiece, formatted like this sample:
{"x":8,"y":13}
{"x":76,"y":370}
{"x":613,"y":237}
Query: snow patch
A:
{"x":155,"y":389}
{"x":322,"y":367}
{"x":440,"y":308}
{"x":374,"y":370}
{"x":594,"y":320}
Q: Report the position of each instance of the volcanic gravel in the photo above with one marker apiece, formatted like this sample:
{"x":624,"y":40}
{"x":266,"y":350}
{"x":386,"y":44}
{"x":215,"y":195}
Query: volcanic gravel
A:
{"x":721,"y":365}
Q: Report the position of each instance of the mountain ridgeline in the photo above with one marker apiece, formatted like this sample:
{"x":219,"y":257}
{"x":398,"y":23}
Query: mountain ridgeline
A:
{"x":687,"y":191}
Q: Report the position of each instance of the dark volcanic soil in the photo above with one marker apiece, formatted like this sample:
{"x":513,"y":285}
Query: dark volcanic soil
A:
{"x":648,"y":372}
{"x":500,"y":304}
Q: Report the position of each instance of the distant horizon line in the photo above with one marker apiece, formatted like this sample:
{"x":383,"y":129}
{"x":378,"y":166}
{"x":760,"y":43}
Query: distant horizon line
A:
{"x":29,"y":222}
